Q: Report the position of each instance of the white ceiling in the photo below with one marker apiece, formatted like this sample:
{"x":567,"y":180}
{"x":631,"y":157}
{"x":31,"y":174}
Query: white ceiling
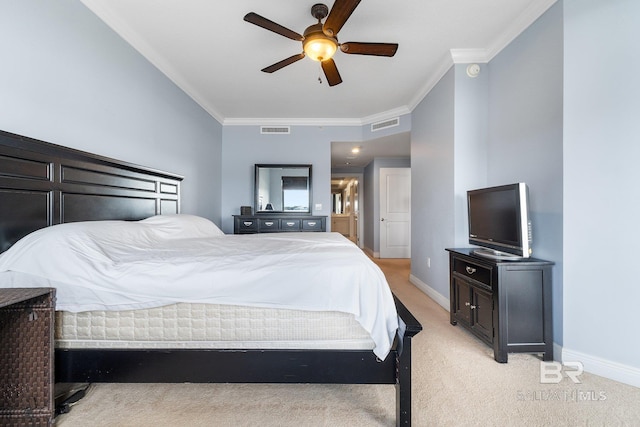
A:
{"x":210,"y":52}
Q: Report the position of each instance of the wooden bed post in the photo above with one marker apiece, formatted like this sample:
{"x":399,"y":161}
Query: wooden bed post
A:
{"x":406,"y":331}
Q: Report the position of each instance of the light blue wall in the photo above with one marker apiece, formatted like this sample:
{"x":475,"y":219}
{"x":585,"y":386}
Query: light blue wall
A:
{"x":432,"y":186}
{"x":501,"y":127}
{"x":525,"y":134}
{"x":601,"y":176}
{"x":244,"y":146}
{"x":68,"y":79}
{"x":471,"y":121}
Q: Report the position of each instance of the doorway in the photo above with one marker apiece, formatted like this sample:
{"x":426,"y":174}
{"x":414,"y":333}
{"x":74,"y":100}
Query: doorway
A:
{"x":346,"y":196}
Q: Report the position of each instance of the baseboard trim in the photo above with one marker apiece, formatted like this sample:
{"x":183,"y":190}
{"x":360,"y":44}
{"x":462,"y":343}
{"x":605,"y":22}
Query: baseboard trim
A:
{"x":605,"y":368}
{"x":431,"y":293}
{"x":371,"y":252}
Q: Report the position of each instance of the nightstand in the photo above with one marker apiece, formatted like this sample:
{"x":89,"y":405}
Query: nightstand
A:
{"x":26,"y":356}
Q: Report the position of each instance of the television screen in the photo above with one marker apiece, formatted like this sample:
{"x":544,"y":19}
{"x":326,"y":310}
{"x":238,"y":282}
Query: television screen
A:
{"x":499,"y":220}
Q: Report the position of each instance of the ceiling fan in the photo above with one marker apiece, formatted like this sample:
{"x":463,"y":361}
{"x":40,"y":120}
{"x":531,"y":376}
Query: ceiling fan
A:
{"x":320,"y":41}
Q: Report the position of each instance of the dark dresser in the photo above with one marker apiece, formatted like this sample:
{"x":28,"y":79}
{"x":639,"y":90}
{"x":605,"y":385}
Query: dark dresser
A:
{"x":265,"y":223}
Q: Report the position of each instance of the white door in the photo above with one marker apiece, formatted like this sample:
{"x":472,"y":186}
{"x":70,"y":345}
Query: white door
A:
{"x":395,"y":213}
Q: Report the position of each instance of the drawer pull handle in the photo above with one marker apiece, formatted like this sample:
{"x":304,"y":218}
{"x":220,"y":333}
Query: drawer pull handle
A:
{"x":290,"y":224}
{"x":467,"y":304}
{"x":248,"y":223}
{"x":312,"y":223}
{"x":268,"y":224}
{"x":473,"y":307}
{"x":470,"y":270}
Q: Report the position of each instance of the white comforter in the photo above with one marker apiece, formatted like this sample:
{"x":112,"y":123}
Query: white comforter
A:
{"x":116,"y":265}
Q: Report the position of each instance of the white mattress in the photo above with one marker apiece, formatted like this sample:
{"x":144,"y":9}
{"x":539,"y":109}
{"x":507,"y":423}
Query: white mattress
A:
{"x":185,"y":325}
{"x":165,"y":260}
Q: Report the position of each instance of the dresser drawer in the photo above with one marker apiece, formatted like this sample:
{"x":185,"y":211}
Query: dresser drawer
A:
{"x":247,"y":225}
{"x":473,"y":271}
{"x":269,"y":225}
{"x":312,"y":224}
{"x":289,"y":224}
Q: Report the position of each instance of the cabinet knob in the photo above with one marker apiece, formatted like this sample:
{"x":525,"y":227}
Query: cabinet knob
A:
{"x":470,"y":270}
{"x":467,"y":304}
{"x":473,"y":307}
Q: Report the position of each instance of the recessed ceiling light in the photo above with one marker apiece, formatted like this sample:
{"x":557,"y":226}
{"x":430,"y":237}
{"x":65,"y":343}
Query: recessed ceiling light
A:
{"x":355,"y":150}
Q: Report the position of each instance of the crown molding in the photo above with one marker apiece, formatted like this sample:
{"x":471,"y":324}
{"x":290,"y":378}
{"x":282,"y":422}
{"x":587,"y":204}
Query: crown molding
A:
{"x":132,"y":38}
{"x":443,"y":66}
{"x":469,"y":56}
{"x":239,"y":121}
{"x":455,"y":56}
{"x":518,"y":25}
{"x":253,"y":121}
{"x":465,"y":56}
{"x":385,"y":115}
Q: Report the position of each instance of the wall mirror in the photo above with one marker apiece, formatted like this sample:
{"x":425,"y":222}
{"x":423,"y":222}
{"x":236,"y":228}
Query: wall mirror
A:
{"x":283,"y":189}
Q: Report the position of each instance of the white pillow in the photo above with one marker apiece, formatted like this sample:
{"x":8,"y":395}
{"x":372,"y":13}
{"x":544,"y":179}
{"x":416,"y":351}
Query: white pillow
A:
{"x":100,"y":242}
{"x":182,"y":226}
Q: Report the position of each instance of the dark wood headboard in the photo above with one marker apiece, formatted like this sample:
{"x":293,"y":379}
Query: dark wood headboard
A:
{"x":43,"y":184}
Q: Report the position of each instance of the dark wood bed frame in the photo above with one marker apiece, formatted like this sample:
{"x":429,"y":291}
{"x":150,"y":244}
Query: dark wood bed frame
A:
{"x":43,"y":184}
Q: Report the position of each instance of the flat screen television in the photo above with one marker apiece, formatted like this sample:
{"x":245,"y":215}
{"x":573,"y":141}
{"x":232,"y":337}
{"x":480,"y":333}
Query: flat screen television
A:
{"x":499,"y":221}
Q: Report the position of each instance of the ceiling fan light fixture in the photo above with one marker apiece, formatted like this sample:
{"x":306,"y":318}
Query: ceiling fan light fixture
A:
{"x":320,"y":41}
{"x":317,"y":45}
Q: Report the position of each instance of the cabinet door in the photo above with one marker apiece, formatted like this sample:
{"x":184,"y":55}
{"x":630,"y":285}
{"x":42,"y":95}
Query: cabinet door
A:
{"x":461,"y":300}
{"x":482,"y":313}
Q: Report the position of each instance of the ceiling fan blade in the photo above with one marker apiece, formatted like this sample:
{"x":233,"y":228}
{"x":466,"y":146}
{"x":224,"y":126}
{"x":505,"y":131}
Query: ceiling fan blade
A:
{"x":331,"y":72}
{"x":340,"y":12}
{"x":378,"y":49}
{"x":263,"y":22}
{"x":290,"y":60}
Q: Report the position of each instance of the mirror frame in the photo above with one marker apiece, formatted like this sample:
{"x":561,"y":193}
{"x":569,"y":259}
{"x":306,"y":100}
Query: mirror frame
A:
{"x":256,"y":201}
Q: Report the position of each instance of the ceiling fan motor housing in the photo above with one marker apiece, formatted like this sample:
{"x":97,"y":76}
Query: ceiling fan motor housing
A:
{"x":319,"y":11}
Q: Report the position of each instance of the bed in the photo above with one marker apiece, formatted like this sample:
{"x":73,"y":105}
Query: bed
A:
{"x":44,"y":185}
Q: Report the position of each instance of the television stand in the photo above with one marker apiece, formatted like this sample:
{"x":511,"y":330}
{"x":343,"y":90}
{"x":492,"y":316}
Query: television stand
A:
{"x":505,"y":303}
{"x":493,"y":254}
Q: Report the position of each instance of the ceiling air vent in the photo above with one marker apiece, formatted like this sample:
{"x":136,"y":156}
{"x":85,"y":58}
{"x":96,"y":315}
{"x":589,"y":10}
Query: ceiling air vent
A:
{"x":272,"y":130}
{"x":385,"y":124}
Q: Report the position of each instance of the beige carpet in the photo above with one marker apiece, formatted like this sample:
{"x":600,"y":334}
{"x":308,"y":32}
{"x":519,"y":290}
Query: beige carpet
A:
{"x":456,"y":382}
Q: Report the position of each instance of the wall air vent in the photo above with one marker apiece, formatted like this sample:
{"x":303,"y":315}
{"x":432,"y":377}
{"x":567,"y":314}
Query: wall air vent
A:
{"x":279,"y":130}
{"x":385,"y":124}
